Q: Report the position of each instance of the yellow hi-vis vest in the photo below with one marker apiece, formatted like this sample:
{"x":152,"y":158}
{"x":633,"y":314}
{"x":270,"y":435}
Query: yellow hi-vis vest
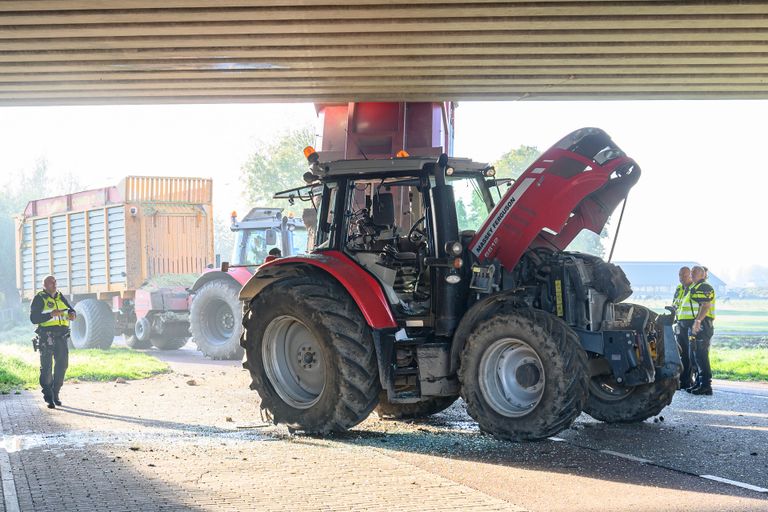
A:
{"x":684,"y":306}
{"x":51,"y":303}
{"x":702,"y":291}
{"x":678,"y":297}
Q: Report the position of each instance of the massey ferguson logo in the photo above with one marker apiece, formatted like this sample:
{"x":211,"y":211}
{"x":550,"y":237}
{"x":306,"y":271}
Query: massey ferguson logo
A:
{"x":481,"y":244}
{"x":501,"y":214}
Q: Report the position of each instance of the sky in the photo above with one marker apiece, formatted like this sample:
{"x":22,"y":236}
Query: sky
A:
{"x":700,"y":197}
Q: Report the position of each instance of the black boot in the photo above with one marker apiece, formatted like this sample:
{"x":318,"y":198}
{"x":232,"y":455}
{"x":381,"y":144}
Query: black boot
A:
{"x":702,"y":390}
{"x":56,"y":400}
{"x":49,"y":401}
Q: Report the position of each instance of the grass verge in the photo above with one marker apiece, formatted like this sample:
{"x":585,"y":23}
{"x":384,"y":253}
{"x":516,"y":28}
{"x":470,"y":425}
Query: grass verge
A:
{"x":20,"y":366}
{"x":746,"y":364}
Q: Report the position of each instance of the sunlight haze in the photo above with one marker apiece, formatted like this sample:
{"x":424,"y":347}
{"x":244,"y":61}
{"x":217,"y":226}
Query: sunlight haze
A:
{"x":699,"y":197}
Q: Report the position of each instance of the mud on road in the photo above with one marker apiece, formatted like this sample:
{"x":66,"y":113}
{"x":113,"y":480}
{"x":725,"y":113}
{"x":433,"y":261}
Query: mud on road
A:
{"x":194,"y":440}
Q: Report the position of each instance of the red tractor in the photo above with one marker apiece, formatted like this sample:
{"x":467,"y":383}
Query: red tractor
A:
{"x":432,"y":279}
{"x":216,"y":314}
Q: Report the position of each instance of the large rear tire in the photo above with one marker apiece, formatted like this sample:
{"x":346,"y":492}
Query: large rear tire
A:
{"x":612,"y":402}
{"x":216,"y":318}
{"x":524,"y":375}
{"x":428,"y":407}
{"x":94,"y":326}
{"x":310,"y":354}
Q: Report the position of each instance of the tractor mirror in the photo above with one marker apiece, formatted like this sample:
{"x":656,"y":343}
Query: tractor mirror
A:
{"x":271,"y":237}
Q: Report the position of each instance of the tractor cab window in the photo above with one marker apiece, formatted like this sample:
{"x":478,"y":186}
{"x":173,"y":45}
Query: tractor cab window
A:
{"x":328,"y":218}
{"x":253,"y":245}
{"x":386,"y":234}
{"x":299,"y":240}
{"x":383,"y":213}
{"x":473,"y":201}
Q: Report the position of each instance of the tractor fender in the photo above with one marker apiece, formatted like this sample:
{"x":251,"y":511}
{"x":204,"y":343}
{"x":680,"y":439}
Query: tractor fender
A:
{"x":238,"y":276}
{"x":479,"y":311}
{"x":361,"y":286}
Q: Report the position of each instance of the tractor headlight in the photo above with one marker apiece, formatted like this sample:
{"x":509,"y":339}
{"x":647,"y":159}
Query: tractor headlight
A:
{"x":453,"y":248}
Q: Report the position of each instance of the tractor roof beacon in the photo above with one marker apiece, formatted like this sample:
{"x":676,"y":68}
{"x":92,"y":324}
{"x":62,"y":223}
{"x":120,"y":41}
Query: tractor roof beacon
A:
{"x":432,"y":280}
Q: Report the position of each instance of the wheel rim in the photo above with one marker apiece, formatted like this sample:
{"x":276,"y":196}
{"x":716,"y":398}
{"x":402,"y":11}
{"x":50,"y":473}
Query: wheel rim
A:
{"x":220,"y":322}
{"x":142,"y":329}
{"x":512,"y":377}
{"x":293,"y":362}
{"x":607,"y":389}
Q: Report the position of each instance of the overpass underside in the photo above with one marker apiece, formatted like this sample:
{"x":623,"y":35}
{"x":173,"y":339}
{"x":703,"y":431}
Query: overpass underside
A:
{"x":151,"y":51}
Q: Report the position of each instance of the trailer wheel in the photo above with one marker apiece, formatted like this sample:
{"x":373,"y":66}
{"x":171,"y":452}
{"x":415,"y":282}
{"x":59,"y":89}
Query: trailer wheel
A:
{"x":174,"y":336}
{"x":428,"y":407}
{"x":216,"y":318}
{"x":94,"y":326}
{"x":311,"y":356}
{"x":612,"y":402}
{"x":523,"y":375}
{"x":131,"y":341}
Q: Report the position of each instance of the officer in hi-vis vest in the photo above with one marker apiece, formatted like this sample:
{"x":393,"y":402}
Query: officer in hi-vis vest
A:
{"x":684,"y":317}
{"x":52,"y":313}
{"x":701,"y":296}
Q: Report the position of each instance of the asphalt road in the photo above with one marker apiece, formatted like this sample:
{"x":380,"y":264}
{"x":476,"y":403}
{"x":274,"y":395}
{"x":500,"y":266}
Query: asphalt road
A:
{"x":724,"y":436}
{"x":193,"y":439}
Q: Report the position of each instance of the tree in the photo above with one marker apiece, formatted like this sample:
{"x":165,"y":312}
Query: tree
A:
{"x":34,"y":184}
{"x":590,"y":243}
{"x":223,"y":238}
{"x":276,"y":165}
{"x":515,"y":161}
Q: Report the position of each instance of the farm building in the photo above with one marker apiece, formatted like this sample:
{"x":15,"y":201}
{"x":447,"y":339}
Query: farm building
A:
{"x":658,"y":279}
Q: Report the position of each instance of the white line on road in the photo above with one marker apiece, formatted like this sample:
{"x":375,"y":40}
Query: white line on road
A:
{"x":734,"y":482}
{"x":626,"y":456}
{"x":652,"y":463}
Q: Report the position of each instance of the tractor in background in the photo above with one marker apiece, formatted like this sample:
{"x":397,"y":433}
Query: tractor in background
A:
{"x":216,"y":312}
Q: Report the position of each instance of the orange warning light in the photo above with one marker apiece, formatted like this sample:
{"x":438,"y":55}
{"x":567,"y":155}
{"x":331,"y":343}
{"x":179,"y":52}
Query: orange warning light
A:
{"x":402,"y":154}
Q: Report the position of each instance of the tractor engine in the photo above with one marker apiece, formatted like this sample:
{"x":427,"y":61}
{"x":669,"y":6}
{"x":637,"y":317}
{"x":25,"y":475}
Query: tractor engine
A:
{"x":579,"y":288}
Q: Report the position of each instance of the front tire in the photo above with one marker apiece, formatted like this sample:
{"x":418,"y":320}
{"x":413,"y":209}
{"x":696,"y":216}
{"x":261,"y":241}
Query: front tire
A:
{"x":216,"y":318}
{"x":523,"y":375}
{"x":310,"y":354}
{"x":612,"y":402}
{"x":94,"y":326}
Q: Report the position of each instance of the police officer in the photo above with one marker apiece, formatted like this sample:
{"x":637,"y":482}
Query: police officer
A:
{"x":52,"y":313}
{"x":701,"y":296}
{"x":684,"y":317}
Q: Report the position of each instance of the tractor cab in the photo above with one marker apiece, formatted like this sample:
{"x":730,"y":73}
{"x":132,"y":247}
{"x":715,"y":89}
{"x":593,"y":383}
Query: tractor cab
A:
{"x":262,"y":230}
{"x":380,"y":213}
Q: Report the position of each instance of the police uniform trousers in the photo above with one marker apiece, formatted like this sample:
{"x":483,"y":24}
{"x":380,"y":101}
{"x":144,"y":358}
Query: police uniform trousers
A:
{"x":54,"y":360}
{"x":701,"y":351}
{"x":686,"y":357}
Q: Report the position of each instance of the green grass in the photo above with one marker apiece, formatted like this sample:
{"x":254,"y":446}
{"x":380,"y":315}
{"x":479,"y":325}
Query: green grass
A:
{"x":19,"y":366}
{"x":735,"y":317}
{"x":749,"y":364}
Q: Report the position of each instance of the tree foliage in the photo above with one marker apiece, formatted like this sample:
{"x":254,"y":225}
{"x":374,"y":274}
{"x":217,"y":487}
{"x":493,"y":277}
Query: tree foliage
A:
{"x":515,"y":161}
{"x":276,"y":165}
{"x":28,"y":185}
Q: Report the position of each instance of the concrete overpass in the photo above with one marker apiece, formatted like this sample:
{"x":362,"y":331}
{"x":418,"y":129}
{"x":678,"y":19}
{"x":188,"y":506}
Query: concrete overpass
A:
{"x":151,"y":51}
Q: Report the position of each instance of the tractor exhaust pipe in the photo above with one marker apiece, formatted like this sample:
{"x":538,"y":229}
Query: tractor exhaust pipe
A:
{"x":446,"y":296}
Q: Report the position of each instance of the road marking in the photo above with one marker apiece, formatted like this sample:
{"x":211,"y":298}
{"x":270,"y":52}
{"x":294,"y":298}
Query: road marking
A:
{"x":626,"y":456}
{"x":9,"y":486}
{"x":734,"y":482}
